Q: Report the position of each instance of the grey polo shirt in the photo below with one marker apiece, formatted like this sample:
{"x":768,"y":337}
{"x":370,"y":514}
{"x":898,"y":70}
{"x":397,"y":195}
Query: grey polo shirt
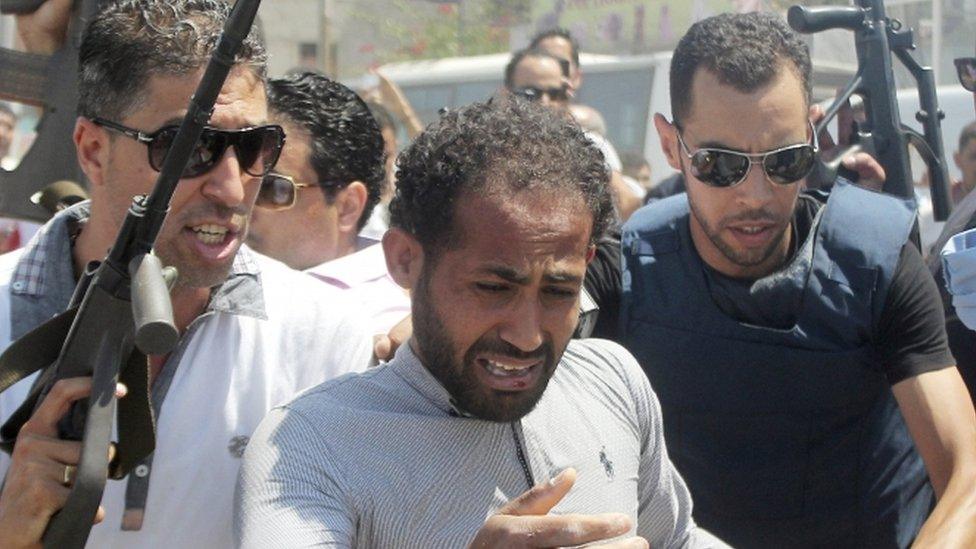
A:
{"x":383,"y":459}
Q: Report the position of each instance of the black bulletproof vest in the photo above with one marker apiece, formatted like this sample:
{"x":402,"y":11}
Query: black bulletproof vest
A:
{"x":786,"y":437}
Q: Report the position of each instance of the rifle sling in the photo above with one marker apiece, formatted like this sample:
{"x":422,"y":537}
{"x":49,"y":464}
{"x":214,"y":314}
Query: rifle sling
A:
{"x":38,"y":350}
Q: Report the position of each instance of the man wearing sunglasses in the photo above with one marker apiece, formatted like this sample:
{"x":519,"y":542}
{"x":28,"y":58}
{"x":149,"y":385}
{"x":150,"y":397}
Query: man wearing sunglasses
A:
{"x":320,"y":195}
{"x":540,"y":76}
{"x":254,"y":333}
{"x":798,"y":347}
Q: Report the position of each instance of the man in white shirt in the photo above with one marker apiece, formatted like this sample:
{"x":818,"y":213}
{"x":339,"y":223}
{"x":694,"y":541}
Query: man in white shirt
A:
{"x":322,"y":192}
{"x":254,"y":333}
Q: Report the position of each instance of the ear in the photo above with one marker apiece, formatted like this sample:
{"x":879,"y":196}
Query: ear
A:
{"x":404,"y":257}
{"x":669,"y":140}
{"x":590,"y":254}
{"x":957,"y":158}
{"x":350,"y":203}
{"x":91,"y":147}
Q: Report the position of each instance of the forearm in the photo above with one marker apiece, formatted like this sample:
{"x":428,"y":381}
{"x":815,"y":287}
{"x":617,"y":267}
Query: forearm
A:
{"x":953,"y":521}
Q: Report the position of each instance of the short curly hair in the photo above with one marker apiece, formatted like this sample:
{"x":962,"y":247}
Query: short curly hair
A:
{"x":508,"y":142}
{"x":129,"y":41}
{"x":744,"y":50}
{"x":346,"y":142}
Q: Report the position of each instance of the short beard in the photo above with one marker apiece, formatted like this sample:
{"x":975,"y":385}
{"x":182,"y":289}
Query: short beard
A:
{"x":437,"y":352}
{"x":736,"y":257}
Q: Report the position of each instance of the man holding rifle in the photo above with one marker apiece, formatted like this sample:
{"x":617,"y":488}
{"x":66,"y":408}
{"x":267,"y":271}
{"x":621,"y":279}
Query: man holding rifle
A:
{"x":254,"y":333}
{"x":798,"y":348}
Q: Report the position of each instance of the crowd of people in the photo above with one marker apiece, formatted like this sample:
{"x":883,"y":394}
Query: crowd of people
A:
{"x":495,"y":342}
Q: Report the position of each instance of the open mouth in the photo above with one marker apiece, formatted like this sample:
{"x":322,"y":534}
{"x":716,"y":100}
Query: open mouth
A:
{"x":210,"y":234}
{"x":509,"y":374}
{"x":752,"y":235}
{"x":212,"y":242}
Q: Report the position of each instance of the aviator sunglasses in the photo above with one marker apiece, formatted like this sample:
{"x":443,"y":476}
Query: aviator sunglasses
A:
{"x":966,"y":67}
{"x":724,"y":168}
{"x":279,"y":192}
{"x":257,"y":148}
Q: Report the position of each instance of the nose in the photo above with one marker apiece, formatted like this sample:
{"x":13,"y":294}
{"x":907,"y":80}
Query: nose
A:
{"x":224,"y":184}
{"x":756,"y":189}
{"x":523,"y":325}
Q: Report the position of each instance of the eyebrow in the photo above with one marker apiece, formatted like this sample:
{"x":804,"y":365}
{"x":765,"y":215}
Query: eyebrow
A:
{"x":716,"y":145}
{"x":511,"y":275}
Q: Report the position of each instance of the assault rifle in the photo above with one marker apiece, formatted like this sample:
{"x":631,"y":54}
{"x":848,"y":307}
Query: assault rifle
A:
{"x":49,"y":83}
{"x":877,"y":38}
{"x":120,"y":312}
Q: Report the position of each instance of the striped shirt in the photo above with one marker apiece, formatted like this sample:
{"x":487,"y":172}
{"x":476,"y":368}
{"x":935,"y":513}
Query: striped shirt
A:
{"x":383,"y":459}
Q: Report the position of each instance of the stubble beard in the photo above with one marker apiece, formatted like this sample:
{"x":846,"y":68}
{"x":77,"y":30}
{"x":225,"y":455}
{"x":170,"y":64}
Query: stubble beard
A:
{"x":748,"y":258}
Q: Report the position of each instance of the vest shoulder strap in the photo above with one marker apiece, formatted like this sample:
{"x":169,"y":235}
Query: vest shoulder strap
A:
{"x":863,"y":231}
{"x":652,"y":230}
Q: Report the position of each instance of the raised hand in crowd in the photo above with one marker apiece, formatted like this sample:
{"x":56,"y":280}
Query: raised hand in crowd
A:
{"x":43,"y":31}
{"x":870,"y":173}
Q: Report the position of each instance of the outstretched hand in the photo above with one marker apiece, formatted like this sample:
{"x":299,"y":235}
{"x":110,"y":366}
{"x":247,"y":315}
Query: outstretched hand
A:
{"x":524,"y":522}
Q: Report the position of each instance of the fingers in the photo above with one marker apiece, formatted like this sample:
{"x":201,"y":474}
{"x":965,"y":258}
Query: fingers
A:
{"x":382,"y":347}
{"x":60,"y":451}
{"x":57,"y":403}
{"x":570,"y":530}
{"x":870,"y":172}
{"x":541,"y":498}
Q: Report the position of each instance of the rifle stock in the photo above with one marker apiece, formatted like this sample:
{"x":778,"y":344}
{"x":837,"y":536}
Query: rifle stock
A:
{"x":877,"y":40}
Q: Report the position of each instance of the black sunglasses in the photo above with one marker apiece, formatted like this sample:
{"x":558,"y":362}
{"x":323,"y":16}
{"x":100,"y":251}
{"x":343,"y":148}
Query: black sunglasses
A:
{"x":966,"y":67}
{"x":279,"y":192}
{"x":725,"y":168}
{"x":257,"y":148}
{"x":535,"y":94}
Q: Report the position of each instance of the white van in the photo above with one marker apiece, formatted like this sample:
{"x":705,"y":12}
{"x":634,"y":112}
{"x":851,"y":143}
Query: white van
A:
{"x":627,"y":90}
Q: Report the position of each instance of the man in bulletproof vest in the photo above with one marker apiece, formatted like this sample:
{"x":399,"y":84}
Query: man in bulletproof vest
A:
{"x":798,"y":347}
{"x":253,"y":332}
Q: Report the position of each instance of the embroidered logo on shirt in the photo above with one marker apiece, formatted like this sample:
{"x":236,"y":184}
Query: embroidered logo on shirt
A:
{"x":237,"y":445}
{"x":607,"y":464}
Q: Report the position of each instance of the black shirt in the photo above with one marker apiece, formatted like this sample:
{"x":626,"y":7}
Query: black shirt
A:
{"x":910,"y":337}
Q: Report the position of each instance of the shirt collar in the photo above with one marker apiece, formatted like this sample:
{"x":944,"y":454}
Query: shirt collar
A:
{"x":47,"y":264}
{"x":242,"y":293}
{"x":366,"y":264}
{"x":408,"y":366}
